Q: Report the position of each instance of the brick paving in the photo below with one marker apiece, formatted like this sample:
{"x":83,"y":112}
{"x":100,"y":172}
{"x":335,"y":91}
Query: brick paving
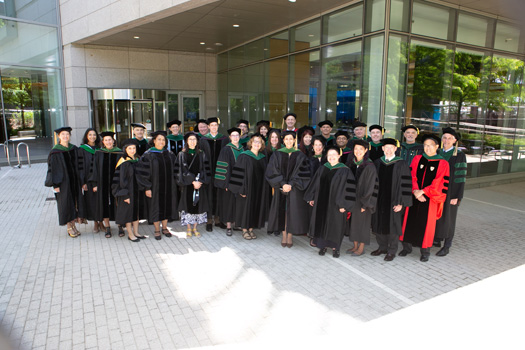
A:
{"x":96,"y":293}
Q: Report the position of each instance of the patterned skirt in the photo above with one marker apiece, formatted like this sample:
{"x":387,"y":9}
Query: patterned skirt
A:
{"x":191,"y":219}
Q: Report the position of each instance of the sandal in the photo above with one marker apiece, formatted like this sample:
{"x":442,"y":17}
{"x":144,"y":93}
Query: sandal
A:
{"x":228,"y":232}
{"x":108,"y":232}
{"x":121,"y":231}
{"x":76,"y":230}
{"x":71,"y":232}
{"x":252,"y":234}
{"x":159,"y":236}
{"x":246,"y":235}
{"x":196,"y":233}
{"x":188,"y":232}
{"x":166,"y":232}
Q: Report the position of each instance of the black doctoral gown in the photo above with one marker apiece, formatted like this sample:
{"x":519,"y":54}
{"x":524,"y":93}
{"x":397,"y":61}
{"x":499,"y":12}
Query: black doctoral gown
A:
{"x":226,"y":199}
{"x":247,"y":178}
{"x":175,"y":143}
{"x":212,"y":147}
{"x":143,"y":146}
{"x":125,"y":186}
{"x":158,"y":174}
{"x":102,"y":177}
{"x":331,"y":189}
{"x":86,"y":158}
{"x":446,"y":226}
{"x":395,"y":187}
{"x":189,"y":166}
{"x":408,"y":151}
{"x":288,"y":167}
{"x":366,"y":197}
{"x":376,"y":151}
{"x":62,"y":173}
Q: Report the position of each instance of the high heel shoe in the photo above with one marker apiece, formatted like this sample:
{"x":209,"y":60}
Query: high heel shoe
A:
{"x":166,"y":232}
{"x":196,"y":233}
{"x":140,"y":237}
{"x":134,"y":240}
{"x":71,"y":232}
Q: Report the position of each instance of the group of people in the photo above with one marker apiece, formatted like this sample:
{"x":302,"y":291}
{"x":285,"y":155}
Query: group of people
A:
{"x":290,"y":180}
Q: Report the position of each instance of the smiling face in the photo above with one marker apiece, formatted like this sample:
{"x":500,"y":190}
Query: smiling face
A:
{"x":159,"y":142}
{"x":326,"y":130}
{"x":203,"y":128}
{"x":174,"y":129}
{"x":448,"y":141}
{"x":244,"y":128}
{"x":257,"y":143}
{"x":289,"y":141}
{"x":359,"y":132}
{"x":214,"y":128}
{"x":341,"y":141}
{"x":430,"y":147}
{"x":359,"y":152}
{"x":263,"y":131}
{"x":108,"y":142}
{"x":139,"y":133}
{"x":92,"y":137}
{"x":192,"y":142}
{"x":318,"y":147}
{"x":333,"y":157}
{"x":290,"y":122}
{"x":390,"y":151}
{"x":375,"y":135}
{"x":64,"y":137}
{"x":131,"y":150}
{"x":274,"y":140}
{"x":235,"y":137}
{"x":307,"y":139}
{"x":410,"y":135}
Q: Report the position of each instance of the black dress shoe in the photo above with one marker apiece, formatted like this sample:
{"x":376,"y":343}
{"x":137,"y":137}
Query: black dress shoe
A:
{"x":221,"y":225}
{"x":209,"y":227}
{"x":437,"y":244}
{"x":424,"y":258}
{"x":378,"y":252}
{"x":442,"y":252}
{"x":277,"y":233}
{"x":322,"y":251}
{"x":336,"y":253}
{"x":134,"y":240}
{"x":390,"y":257}
{"x":404,"y":253}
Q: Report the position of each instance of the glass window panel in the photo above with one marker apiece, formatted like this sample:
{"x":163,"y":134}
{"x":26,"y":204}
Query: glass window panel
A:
{"x":235,"y":93}
{"x":472,"y":29}
{"x":372,"y":79}
{"x":254,"y":51}
{"x":375,"y":15}
{"x":305,"y":36}
{"x":428,"y":89}
{"x":222,"y":95}
{"x":253,"y":93}
{"x":344,"y":24}
{"x":430,"y":20}
{"x":173,"y":106}
{"x":278,"y":45}
{"x":518,"y":161}
{"x":32,"y":106}
{"x":276,"y":88}
{"x":222,"y":61}
{"x":304,"y":86}
{"x":400,"y":15}
{"x":28,"y":44}
{"x":236,"y":57}
{"x":507,"y":37}
{"x":395,"y":90}
{"x":43,"y":11}
{"x":341,"y":79}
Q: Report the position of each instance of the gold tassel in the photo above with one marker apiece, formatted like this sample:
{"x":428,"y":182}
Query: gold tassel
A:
{"x":397,"y":143}
{"x":219,"y":120}
{"x":282,"y":125}
{"x":295,"y":145}
{"x":383,"y":132}
{"x":270,"y":124}
{"x":417,"y":130}
{"x":340,"y":152}
{"x":55,"y":137}
{"x":456,"y":148}
{"x":442,"y":143}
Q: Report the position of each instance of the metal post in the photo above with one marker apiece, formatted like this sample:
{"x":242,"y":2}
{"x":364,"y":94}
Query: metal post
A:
{"x":6,"y":150}
{"x":18,"y":154}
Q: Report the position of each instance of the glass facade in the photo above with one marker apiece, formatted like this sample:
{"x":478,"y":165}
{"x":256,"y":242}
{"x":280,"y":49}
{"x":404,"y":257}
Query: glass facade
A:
{"x":30,"y":74}
{"x":390,"y":62}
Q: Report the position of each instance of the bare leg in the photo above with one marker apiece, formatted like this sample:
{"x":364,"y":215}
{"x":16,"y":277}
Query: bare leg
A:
{"x":130,"y":232}
{"x":156,"y":224}
{"x":136,"y":229}
{"x":360,"y":249}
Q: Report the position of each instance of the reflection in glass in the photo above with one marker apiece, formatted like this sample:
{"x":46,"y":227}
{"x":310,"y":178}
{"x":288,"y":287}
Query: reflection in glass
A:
{"x":173,"y":107}
{"x":253,"y":92}
{"x":343,"y":24}
{"x":28,"y":44}
{"x":255,"y":50}
{"x":190,"y":110}
{"x":304,"y":86}
{"x":507,"y":37}
{"x":278,"y":45}
{"x":372,"y":79}
{"x":431,"y":20}
{"x":222,"y":61}
{"x":236,"y":57}
{"x":43,"y":11}
{"x":472,"y":29}
{"x":122,"y":126}
{"x":375,"y":15}
{"x":276,"y":89}
{"x":341,"y":72}
{"x":395,"y":88}
{"x":305,"y":36}
{"x":399,"y":15}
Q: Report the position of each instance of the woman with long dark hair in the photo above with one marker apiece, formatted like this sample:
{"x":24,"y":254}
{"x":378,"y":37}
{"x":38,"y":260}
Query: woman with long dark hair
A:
{"x":273,"y":143}
{"x":193,"y":176}
{"x":63,"y":177}
{"x":157,"y":169}
{"x":305,"y":139}
{"x":262,"y":128}
{"x":104,"y":164}
{"x":125,"y":189}
{"x":86,"y":157}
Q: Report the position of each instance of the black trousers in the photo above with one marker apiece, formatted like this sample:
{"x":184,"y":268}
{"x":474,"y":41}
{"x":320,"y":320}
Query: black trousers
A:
{"x":408,"y":248}
{"x":388,"y":243}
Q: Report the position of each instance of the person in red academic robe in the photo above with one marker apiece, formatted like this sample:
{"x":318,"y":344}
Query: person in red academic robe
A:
{"x":430,"y":174}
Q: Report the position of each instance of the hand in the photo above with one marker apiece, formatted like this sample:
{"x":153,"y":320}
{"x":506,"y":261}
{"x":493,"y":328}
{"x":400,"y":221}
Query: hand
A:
{"x":197,"y":184}
{"x":243,"y":195}
{"x":363,"y":210}
{"x":84,"y":187}
{"x":148,"y":193}
{"x":342,"y":210}
{"x":397,"y":208}
{"x":226,"y":189}
{"x":287,"y":188}
{"x":454,"y":201}
{"x":421,"y":198}
{"x":127,"y":201}
{"x":418,"y":193}
{"x":95,"y":189}
{"x":311,"y":203}
{"x":57,"y":189}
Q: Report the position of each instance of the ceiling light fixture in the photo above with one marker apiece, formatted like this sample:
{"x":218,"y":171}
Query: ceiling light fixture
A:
{"x":218,"y":44}
{"x":292,"y":0}
{"x":236,"y":26}
{"x":202,"y":43}
{"x":136,"y":37}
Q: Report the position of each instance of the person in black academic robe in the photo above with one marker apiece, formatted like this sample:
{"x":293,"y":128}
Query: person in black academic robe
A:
{"x":101,"y":178}
{"x":139,"y":131}
{"x":62,"y":176}
{"x":317,"y":159}
{"x":410,"y":148}
{"x":125,"y":189}
{"x":247,"y":182}
{"x":175,"y":139}
{"x":225,"y":162}
{"x":288,"y":173}
{"x":193,"y":176}
{"x":86,"y":158}
{"x":446,"y":226}
{"x":341,"y":140}
{"x":305,"y":135}
{"x":325,"y":127}
{"x":394,"y":196}
{"x":212,"y":143}
{"x":430,"y":173}
{"x":331,"y":193}
{"x":273,"y":143}
{"x":376,"y":147}
{"x":157,"y":167}
{"x":366,"y":197}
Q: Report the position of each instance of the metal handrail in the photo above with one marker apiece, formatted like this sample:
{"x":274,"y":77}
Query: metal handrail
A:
{"x":6,"y":151}
{"x":18,"y":154}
